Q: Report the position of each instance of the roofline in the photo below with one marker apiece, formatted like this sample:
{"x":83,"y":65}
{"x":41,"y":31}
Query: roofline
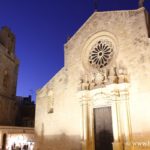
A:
{"x":102,"y":12}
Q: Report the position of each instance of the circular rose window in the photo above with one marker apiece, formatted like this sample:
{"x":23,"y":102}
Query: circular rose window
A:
{"x":101,"y":53}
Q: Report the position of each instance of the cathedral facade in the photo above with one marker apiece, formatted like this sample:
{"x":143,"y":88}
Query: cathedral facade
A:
{"x":100,"y":98}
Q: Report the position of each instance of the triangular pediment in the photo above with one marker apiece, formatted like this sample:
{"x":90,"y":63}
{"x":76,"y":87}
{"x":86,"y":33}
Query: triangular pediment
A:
{"x":106,"y":17}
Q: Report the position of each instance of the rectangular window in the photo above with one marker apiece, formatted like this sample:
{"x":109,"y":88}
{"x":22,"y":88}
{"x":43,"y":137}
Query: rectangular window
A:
{"x":50,"y":105}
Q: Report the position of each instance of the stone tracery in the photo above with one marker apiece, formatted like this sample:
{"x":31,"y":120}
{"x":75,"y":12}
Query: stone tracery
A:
{"x":101,"y":53}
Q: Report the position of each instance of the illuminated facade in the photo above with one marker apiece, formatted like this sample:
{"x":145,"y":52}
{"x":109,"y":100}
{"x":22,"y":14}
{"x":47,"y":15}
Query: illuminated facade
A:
{"x":100,"y":98}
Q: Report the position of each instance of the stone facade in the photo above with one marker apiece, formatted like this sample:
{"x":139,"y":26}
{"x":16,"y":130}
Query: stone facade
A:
{"x":106,"y":65}
{"x":8,"y":73}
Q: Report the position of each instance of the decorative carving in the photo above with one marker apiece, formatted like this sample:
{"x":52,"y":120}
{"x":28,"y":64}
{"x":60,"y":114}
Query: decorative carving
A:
{"x":101,"y":53}
{"x":115,"y":75}
{"x":84,"y":84}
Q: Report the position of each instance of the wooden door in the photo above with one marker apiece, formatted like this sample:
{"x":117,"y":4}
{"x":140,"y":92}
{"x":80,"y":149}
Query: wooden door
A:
{"x":4,"y":141}
{"x":103,"y":128}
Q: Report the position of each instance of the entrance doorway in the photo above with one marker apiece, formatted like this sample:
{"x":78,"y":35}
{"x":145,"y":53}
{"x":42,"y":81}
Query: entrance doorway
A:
{"x":4,"y":141}
{"x":103,"y":128}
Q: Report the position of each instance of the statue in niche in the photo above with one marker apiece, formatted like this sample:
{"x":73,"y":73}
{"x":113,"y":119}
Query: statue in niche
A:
{"x":100,"y":79}
{"x":85,"y":84}
{"x":92,"y":84}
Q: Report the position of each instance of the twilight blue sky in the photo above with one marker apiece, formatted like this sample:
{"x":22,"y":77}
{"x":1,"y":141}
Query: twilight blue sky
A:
{"x":42,"y":27}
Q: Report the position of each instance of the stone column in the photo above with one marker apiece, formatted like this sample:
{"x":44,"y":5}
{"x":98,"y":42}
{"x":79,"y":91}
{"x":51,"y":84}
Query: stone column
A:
{"x":125,"y":115}
{"x":91,"y":126}
{"x":87,"y":121}
{"x":117,"y":128}
{"x":121,"y":117}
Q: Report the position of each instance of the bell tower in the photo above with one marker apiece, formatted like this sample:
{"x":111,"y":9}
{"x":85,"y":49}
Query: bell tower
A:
{"x":7,"y":39}
{"x":8,"y":75}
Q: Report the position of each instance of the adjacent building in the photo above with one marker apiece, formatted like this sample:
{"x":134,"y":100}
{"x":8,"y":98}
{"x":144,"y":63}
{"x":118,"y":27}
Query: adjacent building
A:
{"x":16,"y":113}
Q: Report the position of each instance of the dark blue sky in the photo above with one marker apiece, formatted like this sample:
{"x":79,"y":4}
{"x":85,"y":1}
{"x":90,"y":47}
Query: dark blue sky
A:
{"x":42,"y":27}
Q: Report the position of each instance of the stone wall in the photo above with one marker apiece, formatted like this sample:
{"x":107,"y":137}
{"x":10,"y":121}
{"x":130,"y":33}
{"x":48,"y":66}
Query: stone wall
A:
{"x":8,"y":77}
{"x":8,"y":72}
{"x":63,"y":124}
{"x":8,"y":109}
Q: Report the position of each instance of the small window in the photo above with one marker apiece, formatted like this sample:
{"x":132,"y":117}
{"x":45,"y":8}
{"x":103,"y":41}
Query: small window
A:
{"x":50,"y":102}
{"x":51,"y":110}
{"x":5,"y":79}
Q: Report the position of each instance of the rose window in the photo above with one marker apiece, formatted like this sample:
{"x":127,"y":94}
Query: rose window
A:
{"x":101,"y":54}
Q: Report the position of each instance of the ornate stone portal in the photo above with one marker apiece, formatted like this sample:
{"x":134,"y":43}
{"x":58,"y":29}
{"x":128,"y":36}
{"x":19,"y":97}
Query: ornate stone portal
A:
{"x":105,"y":85}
